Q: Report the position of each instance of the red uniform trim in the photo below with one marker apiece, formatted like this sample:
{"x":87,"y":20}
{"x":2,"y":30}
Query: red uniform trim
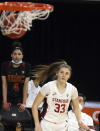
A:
{"x":23,"y":64}
{"x":92,"y":127}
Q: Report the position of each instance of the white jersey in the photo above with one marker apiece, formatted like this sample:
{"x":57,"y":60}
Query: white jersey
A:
{"x":57,"y":102}
{"x":73,"y":124}
{"x":32,"y":93}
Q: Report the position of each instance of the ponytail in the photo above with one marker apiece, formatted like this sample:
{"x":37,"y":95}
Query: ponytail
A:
{"x":44,"y":72}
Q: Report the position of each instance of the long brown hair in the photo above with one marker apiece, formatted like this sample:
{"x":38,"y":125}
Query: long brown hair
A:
{"x":44,"y":72}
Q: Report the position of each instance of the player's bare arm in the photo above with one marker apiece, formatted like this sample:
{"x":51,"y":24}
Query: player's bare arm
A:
{"x":35,"y":105}
{"x":78,"y":114}
{"x":6,"y":105}
{"x":25,"y":90}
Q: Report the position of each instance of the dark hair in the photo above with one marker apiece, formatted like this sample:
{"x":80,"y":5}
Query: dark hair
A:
{"x":17,"y":45}
{"x":45,"y":72}
{"x":82,"y":95}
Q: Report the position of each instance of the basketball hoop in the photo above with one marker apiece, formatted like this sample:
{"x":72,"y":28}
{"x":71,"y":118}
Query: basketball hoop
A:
{"x":16,"y":17}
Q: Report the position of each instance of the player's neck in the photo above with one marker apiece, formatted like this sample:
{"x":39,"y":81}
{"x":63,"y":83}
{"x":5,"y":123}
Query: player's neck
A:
{"x":16,"y":66}
{"x":61,"y":87}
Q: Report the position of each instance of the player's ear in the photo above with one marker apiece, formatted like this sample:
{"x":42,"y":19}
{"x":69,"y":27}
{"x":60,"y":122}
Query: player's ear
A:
{"x":69,"y":77}
{"x":56,"y":73}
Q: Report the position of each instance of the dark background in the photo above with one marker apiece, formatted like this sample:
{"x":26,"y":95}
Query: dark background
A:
{"x":71,"y":33}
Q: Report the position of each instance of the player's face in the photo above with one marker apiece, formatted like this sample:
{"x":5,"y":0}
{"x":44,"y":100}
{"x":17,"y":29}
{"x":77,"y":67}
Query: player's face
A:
{"x":81,"y":100}
{"x":63,"y":74}
{"x":17,"y":55}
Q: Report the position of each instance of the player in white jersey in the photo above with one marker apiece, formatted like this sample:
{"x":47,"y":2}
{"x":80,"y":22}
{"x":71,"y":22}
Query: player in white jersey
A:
{"x":59,"y":93}
{"x":33,"y":90}
{"x":58,"y":102}
{"x":73,"y":124}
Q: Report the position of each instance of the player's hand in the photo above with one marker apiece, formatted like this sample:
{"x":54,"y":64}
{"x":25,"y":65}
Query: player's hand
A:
{"x":38,"y":128}
{"x":6,"y":106}
{"x":21,"y":107}
{"x":83,"y":127}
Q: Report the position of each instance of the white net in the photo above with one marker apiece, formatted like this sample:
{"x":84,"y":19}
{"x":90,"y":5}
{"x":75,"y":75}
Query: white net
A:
{"x":14,"y":22}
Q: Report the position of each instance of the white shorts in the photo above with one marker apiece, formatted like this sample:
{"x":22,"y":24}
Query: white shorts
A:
{"x":50,"y":126}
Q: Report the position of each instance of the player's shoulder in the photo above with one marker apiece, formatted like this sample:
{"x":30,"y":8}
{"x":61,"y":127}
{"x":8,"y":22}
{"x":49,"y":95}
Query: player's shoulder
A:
{"x":26,"y":64}
{"x":32,"y":85}
{"x":31,"y":82}
{"x":50,"y":85}
{"x":71,"y":86}
{"x":51,"y":82}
